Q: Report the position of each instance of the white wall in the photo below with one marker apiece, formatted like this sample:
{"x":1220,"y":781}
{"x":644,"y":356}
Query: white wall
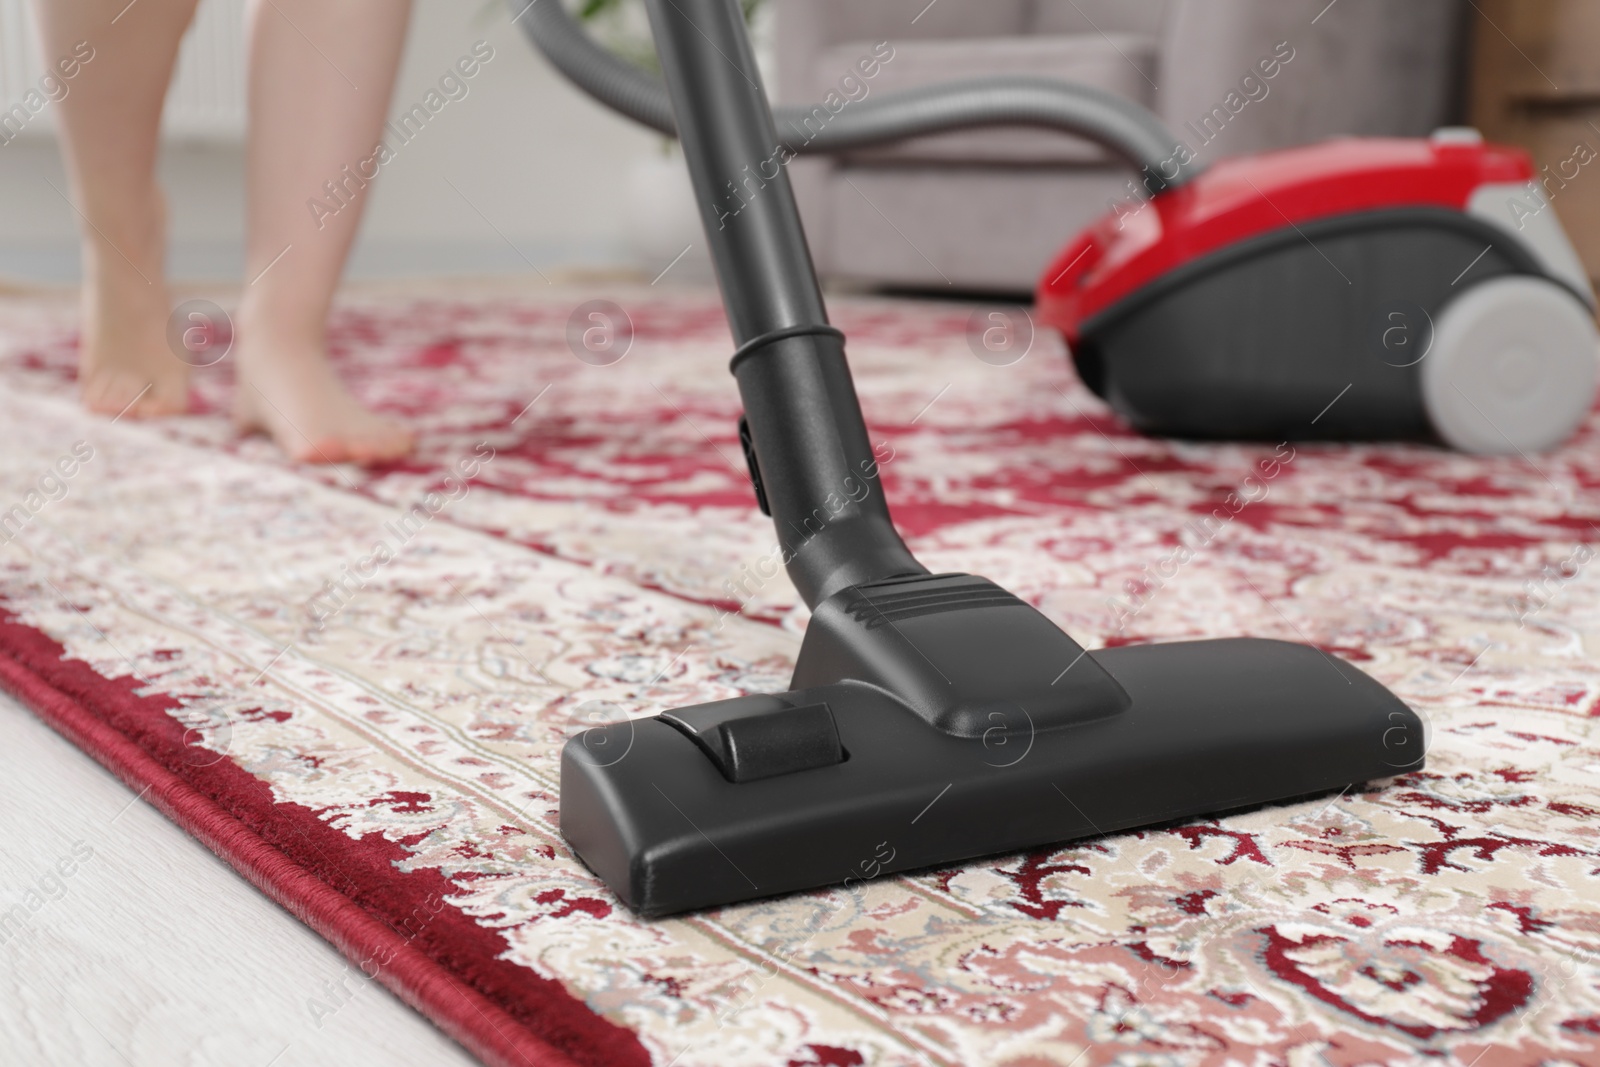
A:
{"x":547,"y":167}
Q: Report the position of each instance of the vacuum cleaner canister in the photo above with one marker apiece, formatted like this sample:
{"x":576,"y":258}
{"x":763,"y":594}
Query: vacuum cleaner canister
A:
{"x":1356,"y":289}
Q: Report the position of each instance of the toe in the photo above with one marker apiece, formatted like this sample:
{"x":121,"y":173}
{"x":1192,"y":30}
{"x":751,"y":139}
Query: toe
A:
{"x":115,"y":395}
{"x":386,"y":441}
{"x":121,"y":394}
{"x":159,"y":403}
{"x":324,"y":450}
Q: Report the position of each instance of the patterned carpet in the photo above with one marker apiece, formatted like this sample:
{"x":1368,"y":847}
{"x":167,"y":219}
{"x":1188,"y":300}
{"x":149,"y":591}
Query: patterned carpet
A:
{"x":356,"y":692}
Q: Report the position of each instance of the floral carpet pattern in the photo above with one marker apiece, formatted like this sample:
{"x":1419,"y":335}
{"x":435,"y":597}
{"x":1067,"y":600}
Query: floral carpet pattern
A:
{"x":373,"y":672}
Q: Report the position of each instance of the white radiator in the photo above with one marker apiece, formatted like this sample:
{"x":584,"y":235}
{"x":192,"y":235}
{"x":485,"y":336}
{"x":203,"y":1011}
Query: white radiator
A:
{"x":207,"y":98}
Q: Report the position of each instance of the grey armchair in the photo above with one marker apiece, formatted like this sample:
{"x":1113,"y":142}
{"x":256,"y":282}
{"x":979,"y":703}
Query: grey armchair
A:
{"x":985,"y":209}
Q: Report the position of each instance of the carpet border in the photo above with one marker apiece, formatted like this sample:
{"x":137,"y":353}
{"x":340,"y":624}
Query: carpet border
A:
{"x":473,"y":1020}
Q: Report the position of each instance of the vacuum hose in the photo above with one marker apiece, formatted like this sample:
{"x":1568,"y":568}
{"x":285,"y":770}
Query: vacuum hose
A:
{"x":1118,"y":125}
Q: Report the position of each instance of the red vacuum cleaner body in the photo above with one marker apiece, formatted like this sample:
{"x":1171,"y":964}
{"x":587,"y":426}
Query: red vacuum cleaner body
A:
{"x":1352,"y":289}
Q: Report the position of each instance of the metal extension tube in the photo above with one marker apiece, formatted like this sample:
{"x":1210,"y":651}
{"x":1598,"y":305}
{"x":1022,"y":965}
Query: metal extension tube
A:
{"x":815,"y":460}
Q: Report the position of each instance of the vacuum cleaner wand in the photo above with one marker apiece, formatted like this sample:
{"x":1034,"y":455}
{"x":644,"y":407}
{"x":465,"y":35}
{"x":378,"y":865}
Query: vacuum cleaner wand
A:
{"x":932,"y":718}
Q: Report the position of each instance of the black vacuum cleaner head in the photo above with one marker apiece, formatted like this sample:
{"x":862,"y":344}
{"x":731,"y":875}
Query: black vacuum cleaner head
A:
{"x":939,"y":718}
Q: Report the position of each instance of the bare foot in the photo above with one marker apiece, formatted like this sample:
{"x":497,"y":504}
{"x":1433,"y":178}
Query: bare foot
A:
{"x":124,"y":364}
{"x":292,"y":394}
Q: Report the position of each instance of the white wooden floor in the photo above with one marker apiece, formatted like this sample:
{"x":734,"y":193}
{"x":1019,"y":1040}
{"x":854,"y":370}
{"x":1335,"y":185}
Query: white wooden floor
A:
{"x":154,"y":952}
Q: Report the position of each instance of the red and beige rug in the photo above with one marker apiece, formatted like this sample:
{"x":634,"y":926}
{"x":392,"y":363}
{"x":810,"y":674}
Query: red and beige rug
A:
{"x":354,"y":686}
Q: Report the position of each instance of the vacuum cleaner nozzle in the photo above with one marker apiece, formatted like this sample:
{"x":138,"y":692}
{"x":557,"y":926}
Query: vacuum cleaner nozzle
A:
{"x":939,"y":718}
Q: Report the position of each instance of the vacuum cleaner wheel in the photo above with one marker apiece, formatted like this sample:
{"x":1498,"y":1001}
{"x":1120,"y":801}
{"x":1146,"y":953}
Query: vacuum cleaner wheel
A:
{"x":1513,"y":367}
